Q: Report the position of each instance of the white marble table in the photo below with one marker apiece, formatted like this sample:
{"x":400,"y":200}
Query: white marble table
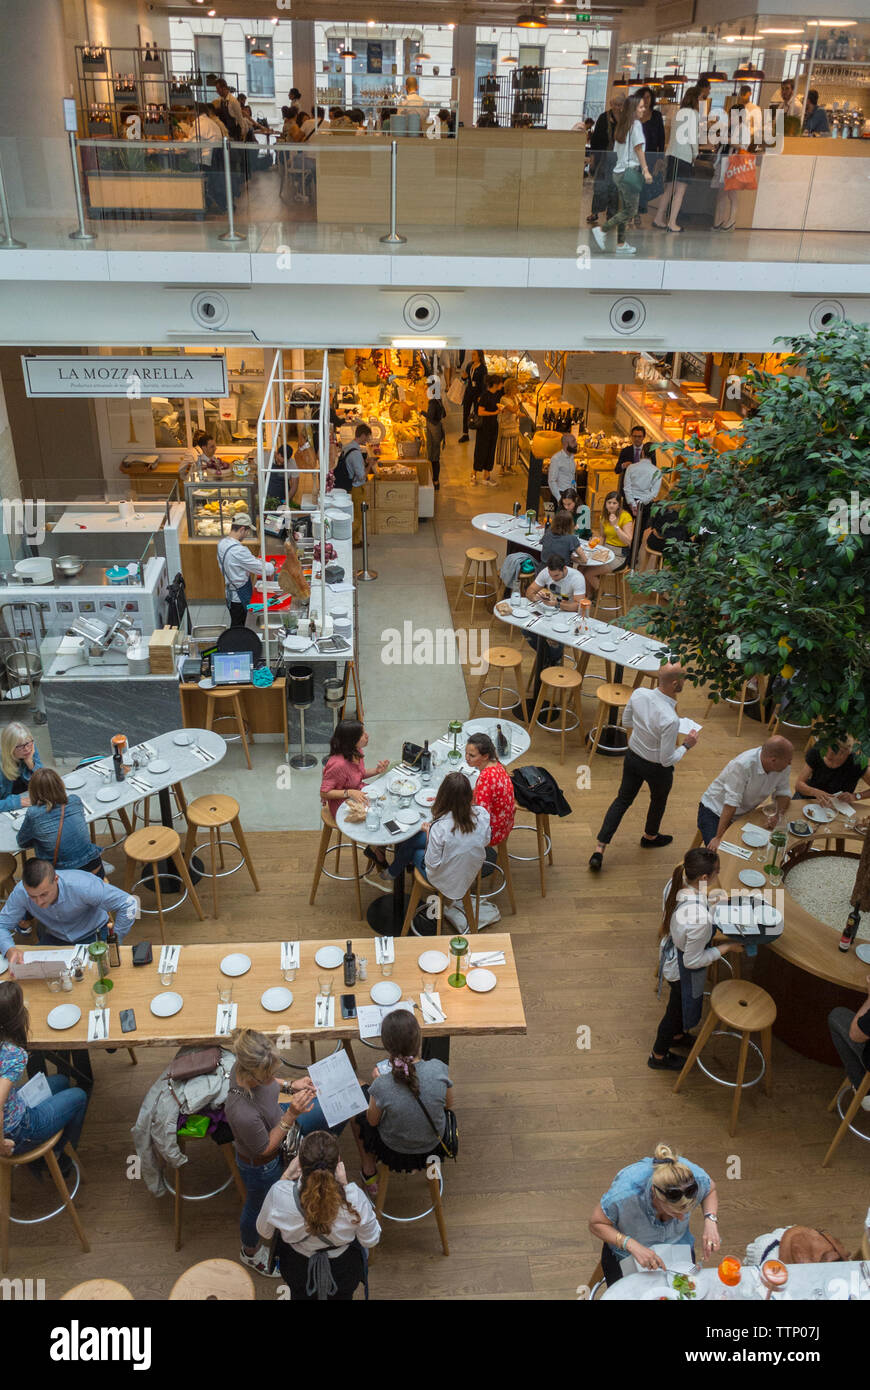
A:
{"x":504,"y":526}
{"x":834,"y":1282}
{"x":183,"y":762}
{"x":615,"y":645}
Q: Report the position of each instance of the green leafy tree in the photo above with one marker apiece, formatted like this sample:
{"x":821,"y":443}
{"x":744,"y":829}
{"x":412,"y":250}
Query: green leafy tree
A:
{"x":776,"y":579}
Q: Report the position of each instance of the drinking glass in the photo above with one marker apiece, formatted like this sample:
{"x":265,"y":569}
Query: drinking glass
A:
{"x":387,"y":968}
{"x":324,"y":984}
{"x":54,"y":984}
{"x":225,"y":992}
{"x":289,"y":975}
{"x":101,"y":990}
{"x":166,"y":978}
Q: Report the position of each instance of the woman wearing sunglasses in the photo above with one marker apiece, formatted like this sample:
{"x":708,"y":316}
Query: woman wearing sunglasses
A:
{"x":650,"y":1203}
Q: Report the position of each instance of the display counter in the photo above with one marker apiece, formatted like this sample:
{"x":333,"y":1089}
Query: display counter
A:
{"x":815,"y":184}
{"x":491,"y":177}
{"x":91,"y":594}
{"x":672,"y":414}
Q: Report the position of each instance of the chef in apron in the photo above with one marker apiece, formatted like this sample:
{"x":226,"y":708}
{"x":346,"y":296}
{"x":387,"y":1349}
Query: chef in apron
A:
{"x":238,"y":565}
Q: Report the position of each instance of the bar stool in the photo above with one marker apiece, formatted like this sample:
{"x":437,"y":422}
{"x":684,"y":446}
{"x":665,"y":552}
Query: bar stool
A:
{"x":350,"y":674}
{"x":98,"y":1290}
{"x":212,"y":1281}
{"x":544,"y":855}
{"x":436,"y":1188}
{"x":740,"y":699}
{"x":421,"y":888}
{"x":150,"y":846}
{"x":180,"y":1197}
{"x":562,"y":684}
{"x":231,"y":695}
{"x":502,"y":659}
{"x":610,"y":586}
{"x":330,"y":825}
{"x":127,"y":826}
{"x":8,"y":1167}
{"x":484,"y":580}
{"x":142,"y":809}
{"x":210,"y":813}
{"x":743,"y":1008}
{"x":500,"y":864}
{"x":848,"y":1117}
{"x":609,"y":696}
{"x":300,"y":696}
{"x":8,"y":865}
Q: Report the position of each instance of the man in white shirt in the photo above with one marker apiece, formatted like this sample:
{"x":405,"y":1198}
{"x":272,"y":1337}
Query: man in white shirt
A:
{"x":207,"y":129}
{"x":237,"y":564}
{"x":412,"y":100}
{"x":562,"y":468}
{"x":642,"y":483}
{"x":791,"y":104}
{"x":651,"y":757}
{"x":558,"y":589}
{"x":742,"y":786}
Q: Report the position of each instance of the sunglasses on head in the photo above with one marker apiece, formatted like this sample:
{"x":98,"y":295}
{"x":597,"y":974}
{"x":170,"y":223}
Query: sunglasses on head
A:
{"x":675,"y":1194}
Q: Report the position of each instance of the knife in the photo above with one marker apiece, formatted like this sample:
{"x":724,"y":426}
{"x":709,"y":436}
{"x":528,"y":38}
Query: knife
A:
{"x":439,"y":1017}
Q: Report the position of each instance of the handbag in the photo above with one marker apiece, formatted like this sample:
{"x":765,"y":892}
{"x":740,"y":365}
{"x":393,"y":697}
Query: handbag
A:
{"x":740,"y":172}
{"x":200,"y":1062}
{"x":411,"y":753}
{"x":456,"y":391}
{"x":449,"y":1140}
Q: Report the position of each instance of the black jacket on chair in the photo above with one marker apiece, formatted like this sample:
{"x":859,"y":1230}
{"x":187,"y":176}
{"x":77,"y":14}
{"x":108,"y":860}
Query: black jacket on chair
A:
{"x":536,"y":790}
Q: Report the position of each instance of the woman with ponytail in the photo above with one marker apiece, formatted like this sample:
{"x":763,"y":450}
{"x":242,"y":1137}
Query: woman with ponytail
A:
{"x":650,"y":1203}
{"x":324,"y":1224}
{"x":688,"y":943}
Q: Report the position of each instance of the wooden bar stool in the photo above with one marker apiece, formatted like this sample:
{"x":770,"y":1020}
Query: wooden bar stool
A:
{"x":212,"y":1280}
{"x":743,"y":1008}
{"x":610,"y":587}
{"x":350,"y":674}
{"x":180,"y":1197}
{"x":740,"y":699}
{"x":436,"y":1187}
{"x":484,"y":579}
{"x":609,"y":696}
{"x":7,"y":1168}
{"x":98,"y":1290}
{"x":142,"y":809}
{"x":210,"y":813}
{"x":150,"y":846}
{"x":421,"y":888}
{"x":561,"y":684}
{"x":330,"y":827}
{"x":127,"y":826}
{"x":544,"y":855}
{"x":501,"y":864}
{"x":502,"y":659}
{"x":229,"y":695}
{"x":849,"y":1116}
{"x":8,"y":865}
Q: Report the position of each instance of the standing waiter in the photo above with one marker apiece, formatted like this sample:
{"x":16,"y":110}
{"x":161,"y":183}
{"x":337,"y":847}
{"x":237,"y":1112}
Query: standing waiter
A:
{"x":651,"y":757}
{"x":237,"y":564}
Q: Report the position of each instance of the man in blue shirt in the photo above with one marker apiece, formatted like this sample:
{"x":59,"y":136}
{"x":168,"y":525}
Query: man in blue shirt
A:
{"x":816,"y":119}
{"x":355,"y":463}
{"x":71,"y":906}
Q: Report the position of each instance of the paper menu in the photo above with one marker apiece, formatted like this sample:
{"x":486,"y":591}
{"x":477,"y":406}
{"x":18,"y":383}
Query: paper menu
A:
{"x":35,"y":1091}
{"x":338,"y":1090}
{"x":43,"y":965}
{"x":370,"y":1016}
{"x":688,"y":726}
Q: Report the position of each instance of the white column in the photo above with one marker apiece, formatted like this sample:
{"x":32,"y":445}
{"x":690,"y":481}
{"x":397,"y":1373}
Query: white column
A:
{"x":36,"y":73}
{"x":302,"y":46}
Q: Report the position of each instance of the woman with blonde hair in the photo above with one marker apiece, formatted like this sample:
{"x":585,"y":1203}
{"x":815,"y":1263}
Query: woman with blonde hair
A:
{"x":507,"y":446}
{"x":260,"y":1125}
{"x":54,"y":826}
{"x":650,"y":1203}
{"x":19,"y":757}
{"x":324,"y":1224}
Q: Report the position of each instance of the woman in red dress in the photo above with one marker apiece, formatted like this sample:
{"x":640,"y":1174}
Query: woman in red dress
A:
{"x":494,"y":789}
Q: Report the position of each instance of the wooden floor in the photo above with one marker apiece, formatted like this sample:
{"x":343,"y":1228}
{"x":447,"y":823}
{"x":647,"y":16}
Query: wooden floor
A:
{"x":544,"y":1125}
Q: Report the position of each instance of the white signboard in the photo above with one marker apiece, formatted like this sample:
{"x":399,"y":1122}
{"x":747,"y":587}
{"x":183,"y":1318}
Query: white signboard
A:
{"x":125,"y":376}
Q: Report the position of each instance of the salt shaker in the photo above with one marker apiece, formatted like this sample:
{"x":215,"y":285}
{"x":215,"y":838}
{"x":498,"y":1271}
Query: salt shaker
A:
{"x":362,"y":968}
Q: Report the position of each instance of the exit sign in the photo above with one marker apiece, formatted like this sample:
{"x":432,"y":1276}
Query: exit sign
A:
{"x":583,"y":18}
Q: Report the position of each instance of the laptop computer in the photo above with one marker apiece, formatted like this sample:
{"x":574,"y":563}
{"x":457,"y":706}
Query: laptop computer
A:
{"x":232,"y":668}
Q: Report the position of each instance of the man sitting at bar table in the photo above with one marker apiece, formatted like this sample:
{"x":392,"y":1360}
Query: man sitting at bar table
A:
{"x":742,"y":786}
{"x":560,"y":590}
{"x":72,"y":907}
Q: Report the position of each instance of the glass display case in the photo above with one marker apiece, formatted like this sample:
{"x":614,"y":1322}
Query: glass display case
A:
{"x":211,"y":505}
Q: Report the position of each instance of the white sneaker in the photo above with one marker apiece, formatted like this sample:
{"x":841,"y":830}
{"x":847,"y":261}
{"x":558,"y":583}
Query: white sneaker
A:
{"x":600,"y":238}
{"x":259,"y":1261}
{"x":380,"y":880}
{"x":474,"y":480}
{"x":491,"y":482}
{"x":626,"y":250}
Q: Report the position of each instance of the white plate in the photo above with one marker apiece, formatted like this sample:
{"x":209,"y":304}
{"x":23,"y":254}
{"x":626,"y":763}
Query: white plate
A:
{"x":755,"y":835}
{"x":561,"y":625}
{"x":74,"y":781}
{"x":480,"y":980}
{"x":183,"y":740}
{"x":433,"y":962}
{"x":607,"y":646}
{"x":4,"y":965}
{"x":409,"y":817}
{"x":863,"y":952}
{"x":752,"y":878}
{"x":108,"y":794}
{"x":386,"y":992}
{"x":235,"y":964}
{"x":276,"y":999}
{"x":64,"y":1016}
{"x":820,"y":814}
{"x":158,"y":767}
{"x":329,"y":957}
{"x":767,"y":916}
{"x":660,"y":1295}
{"x":425,"y":797}
{"x":495,"y":519}
{"x":206,"y":684}
{"x":166,"y":1004}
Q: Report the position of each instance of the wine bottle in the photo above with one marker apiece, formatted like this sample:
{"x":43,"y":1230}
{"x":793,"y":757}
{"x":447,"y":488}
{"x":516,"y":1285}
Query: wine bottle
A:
{"x":425,"y":758}
{"x":501,"y":744}
{"x":349,"y":966}
{"x":119,"y":765}
{"x":114,"y":953}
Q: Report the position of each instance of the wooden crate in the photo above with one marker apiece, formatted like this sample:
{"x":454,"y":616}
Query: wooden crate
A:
{"x":395,"y":523}
{"x":161,"y":651}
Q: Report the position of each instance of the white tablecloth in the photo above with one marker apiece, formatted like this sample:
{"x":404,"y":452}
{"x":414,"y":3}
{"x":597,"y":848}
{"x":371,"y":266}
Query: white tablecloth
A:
{"x":613,"y":644}
{"x":829,"y":1281}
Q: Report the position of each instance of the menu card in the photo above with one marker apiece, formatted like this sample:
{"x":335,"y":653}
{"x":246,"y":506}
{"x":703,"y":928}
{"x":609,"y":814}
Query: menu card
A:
{"x":338,"y":1090}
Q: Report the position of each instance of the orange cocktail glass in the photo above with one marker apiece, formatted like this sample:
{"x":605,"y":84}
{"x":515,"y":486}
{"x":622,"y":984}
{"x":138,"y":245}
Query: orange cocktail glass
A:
{"x":730,"y":1270}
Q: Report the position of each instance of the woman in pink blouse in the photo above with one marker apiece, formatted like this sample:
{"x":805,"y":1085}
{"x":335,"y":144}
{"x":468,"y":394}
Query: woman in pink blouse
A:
{"x":346,"y":771}
{"x":493,"y":789}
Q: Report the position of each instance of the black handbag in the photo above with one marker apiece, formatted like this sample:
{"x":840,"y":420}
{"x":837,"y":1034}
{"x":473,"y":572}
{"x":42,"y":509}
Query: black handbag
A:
{"x":449,"y":1140}
{"x":411,"y":754}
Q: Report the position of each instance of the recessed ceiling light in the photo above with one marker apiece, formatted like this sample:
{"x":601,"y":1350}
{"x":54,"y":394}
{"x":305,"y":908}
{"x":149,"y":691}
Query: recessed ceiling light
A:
{"x":781,"y":31}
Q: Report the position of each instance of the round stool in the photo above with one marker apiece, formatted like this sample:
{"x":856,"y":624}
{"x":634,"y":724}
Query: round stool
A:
{"x":231,"y":695}
{"x":849,"y":1115}
{"x":210,"y":813}
{"x":544,"y":856}
{"x":501,"y":659}
{"x":609,"y":587}
{"x":484,"y":581}
{"x":182,"y":1197}
{"x":330,"y":825}
{"x":7,"y":874}
{"x":562,"y":684}
{"x":214,"y":1279}
{"x":300,"y":695}
{"x":150,"y":846}
{"x":436,"y":1188}
{"x":743,"y":1008}
{"x":609,"y":695}
{"x":422,"y":887}
{"x":98,"y":1290}
{"x":7,"y":1167}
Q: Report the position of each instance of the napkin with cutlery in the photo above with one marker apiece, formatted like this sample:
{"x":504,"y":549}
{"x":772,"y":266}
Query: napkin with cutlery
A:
{"x":226,"y":1019}
{"x":140,"y":784}
{"x":738,"y":851}
{"x":201,"y":753}
{"x":88,"y":810}
{"x":385,"y":950}
{"x":324,"y":1011}
{"x":842,"y":808}
{"x":431,"y":1007}
{"x":290,"y":954}
{"x":98,"y":1024}
{"x":486,"y":958}
{"x":168,"y":959}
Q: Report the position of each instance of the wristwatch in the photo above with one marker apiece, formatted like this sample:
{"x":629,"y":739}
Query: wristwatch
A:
{"x":710,"y":1216}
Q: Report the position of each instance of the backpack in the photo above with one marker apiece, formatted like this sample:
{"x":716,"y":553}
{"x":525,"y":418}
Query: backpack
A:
{"x":341,"y":472}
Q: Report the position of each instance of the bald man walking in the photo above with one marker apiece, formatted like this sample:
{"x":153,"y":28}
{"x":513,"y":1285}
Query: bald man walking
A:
{"x":742,"y":786}
{"x":652,"y":755}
